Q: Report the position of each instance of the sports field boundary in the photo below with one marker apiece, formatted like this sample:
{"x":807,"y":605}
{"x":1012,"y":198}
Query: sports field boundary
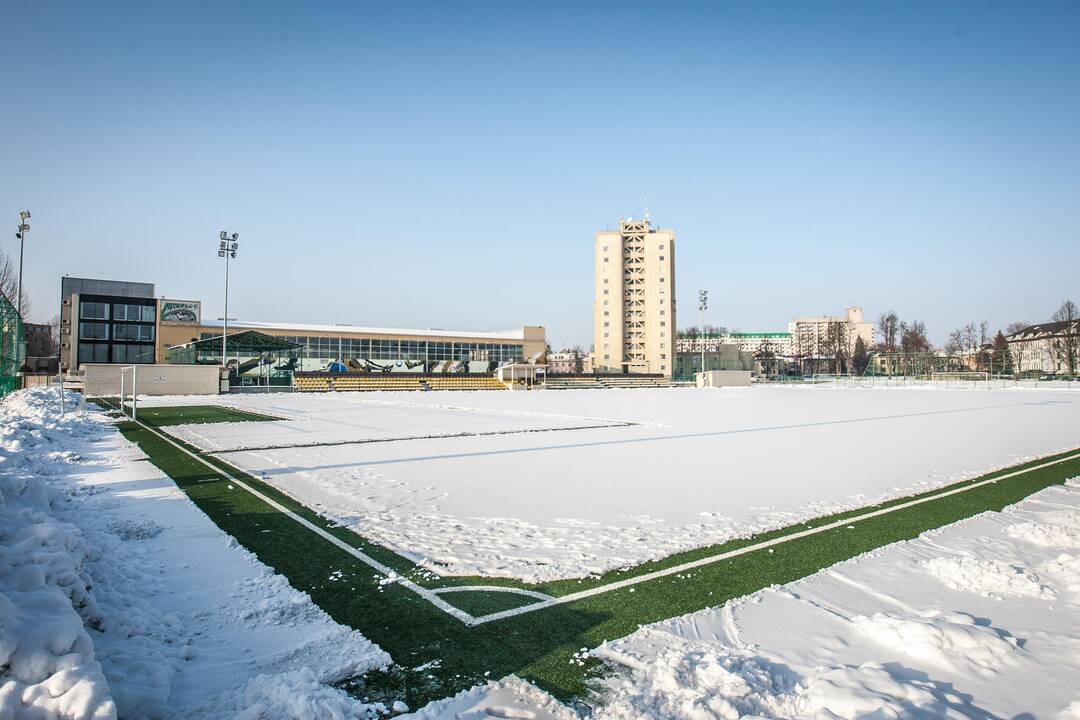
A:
{"x":544,"y":601}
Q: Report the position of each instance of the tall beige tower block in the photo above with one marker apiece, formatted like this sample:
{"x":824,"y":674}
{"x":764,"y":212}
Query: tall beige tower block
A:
{"x":634,"y":306}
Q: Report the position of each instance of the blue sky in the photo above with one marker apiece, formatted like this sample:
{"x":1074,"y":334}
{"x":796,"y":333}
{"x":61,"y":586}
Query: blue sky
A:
{"x":446,"y":164}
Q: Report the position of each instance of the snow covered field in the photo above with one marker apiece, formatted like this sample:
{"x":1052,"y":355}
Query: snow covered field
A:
{"x":345,"y":417}
{"x":977,"y":620}
{"x":119,"y":597}
{"x":699,"y":467}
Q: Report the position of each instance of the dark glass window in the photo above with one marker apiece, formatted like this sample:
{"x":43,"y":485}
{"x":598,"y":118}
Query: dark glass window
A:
{"x":93,"y":331}
{"x":132,"y":354}
{"x":93,"y":352}
{"x":94,"y":311}
{"x":143,"y":333}
{"x":133,"y":313}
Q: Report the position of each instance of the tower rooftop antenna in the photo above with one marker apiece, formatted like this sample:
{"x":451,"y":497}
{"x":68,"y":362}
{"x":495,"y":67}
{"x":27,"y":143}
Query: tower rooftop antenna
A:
{"x":645,"y":202}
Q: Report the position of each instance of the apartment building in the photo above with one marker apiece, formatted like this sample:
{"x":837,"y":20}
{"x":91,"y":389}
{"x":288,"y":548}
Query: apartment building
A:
{"x":634,"y":306}
{"x":810,"y":336}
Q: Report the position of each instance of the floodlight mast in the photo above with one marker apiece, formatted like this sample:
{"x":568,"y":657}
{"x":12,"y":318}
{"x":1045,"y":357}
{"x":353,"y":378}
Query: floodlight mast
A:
{"x":703,"y":305}
{"x":24,"y":228}
{"x":227,"y":248}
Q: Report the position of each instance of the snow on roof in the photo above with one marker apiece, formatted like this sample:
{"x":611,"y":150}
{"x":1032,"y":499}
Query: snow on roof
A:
{"x":517,"y":334}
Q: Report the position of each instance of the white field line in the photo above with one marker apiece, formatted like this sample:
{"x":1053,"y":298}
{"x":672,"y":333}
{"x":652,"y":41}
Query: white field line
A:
{"x":493,"y":588}
{"x":432,"y":596}
{"x":428,"y":595}
{"x":573,"y":597}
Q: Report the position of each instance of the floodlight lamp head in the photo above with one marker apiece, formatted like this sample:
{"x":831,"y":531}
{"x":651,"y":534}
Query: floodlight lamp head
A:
{"x":25,"y":215}
{"x":224,"y":235}
{"x":233,"y":254}
{"x":221,"y":253}
{"x":235,"y":236}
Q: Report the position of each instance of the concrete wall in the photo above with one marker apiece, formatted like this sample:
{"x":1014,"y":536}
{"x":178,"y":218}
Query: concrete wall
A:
{"x":152,"y":379}
{"x":723,"y":378}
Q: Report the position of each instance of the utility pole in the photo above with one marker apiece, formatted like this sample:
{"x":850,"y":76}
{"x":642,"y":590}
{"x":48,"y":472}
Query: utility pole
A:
{"x":24,"y":228}
{"x":226,"y":249}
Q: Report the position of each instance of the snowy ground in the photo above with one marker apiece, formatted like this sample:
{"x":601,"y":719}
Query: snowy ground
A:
{"x":977,"y":620}
{"x":118,"y":596}
{"x":700,"y":466}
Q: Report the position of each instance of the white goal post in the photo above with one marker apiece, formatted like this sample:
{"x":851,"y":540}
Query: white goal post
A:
{"x":134,"y":385}
{"x":968,"y":376}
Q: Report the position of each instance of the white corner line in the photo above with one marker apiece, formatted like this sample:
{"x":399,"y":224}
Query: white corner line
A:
{"x":493,"y":588}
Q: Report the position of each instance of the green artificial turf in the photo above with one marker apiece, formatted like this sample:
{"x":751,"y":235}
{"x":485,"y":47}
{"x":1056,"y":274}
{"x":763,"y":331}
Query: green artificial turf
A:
{"x":486,"y":602}
{"x":193,"y":414}
{"x":538,"y":646}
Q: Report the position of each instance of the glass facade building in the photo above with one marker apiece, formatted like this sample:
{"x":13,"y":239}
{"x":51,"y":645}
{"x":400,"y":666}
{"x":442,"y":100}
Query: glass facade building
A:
{"x":342,"y":348}
{"x":115,"y":329}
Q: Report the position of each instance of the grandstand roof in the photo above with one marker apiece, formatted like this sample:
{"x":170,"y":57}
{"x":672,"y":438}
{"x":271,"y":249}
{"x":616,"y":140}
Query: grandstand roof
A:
{"x":517,"y":334}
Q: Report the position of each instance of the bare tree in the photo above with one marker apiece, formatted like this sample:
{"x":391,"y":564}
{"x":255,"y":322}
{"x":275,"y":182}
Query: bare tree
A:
{"x":1015,"y":327}
{"x":954,"y":346}
{"x":913,"y":337}
{"x":9,"y":283}
{"x":1065,"y":344}
{"x":54,"y":336}
{"x":836,"y":343}
{"x":889,"y":328}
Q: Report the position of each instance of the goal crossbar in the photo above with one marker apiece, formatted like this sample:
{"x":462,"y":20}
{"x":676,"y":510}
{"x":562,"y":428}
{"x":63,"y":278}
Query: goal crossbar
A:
{"x":973,"y":375}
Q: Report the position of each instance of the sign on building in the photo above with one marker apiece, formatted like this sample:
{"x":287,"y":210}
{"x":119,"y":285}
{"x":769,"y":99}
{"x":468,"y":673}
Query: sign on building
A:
{"x":181,"y":312}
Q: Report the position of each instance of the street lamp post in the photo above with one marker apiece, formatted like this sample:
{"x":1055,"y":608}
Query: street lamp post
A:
{"x":226,"y":249}
{"x":24,"y":228}
{"x":703,"y":305}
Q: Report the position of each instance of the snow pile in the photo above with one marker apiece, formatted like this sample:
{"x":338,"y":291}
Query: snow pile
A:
{"x":871,"y":691}
{"x":47,"y":663}
{"x":119,"y":598}
{"x":511,"y":698}
{"x":299,"y":694}
{"x":1066,"y":569}
{"x":952,"y":640}
{"x":697,"y":681}
{"x":1058,"y":530}
{"x":992,"y":578}
{"x":688,"y":681}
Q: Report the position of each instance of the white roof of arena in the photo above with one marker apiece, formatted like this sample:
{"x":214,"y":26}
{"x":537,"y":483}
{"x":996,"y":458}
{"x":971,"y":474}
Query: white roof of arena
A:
{"x":517,"y":334}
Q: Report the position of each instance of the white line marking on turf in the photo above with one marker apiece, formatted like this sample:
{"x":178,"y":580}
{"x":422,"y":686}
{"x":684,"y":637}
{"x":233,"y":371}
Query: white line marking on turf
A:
{"x":494,"y":588}
{"x":562,"y":600}
{"x":432,"y":596}
{"x":428,"y":595}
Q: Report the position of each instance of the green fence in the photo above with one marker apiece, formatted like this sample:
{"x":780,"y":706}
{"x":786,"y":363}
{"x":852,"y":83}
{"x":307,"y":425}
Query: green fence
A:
{"x":12,"y":346}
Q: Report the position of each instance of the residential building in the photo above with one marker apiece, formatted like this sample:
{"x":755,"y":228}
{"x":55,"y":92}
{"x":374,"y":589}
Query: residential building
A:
{"x":634,"y":307}
{"x":39,"y":340}
{"x":813,"y":337}
{"x":756,"y":343}
{"x":1046,"y":348}
{"x":568,"y":362}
